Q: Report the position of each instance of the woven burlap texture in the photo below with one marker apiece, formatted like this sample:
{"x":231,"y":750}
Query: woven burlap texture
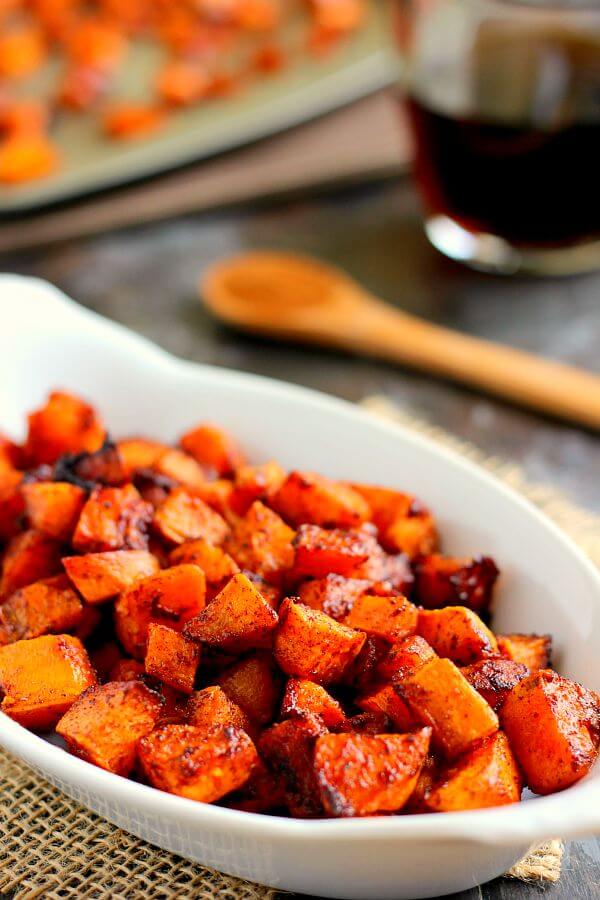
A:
{"x":51,"y":848}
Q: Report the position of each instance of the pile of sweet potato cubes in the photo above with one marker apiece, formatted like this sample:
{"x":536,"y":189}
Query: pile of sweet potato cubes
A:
{"x":279,"y":642}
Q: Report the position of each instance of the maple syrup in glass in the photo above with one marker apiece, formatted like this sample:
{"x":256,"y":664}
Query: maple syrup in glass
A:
{"x":504,"y":103}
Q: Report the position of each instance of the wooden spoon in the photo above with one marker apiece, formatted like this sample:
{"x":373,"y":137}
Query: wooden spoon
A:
{"x":297,"y":298}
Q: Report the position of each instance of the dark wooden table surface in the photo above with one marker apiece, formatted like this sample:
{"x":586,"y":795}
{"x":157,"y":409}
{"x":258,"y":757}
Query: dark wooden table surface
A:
{"x":146,"y":278}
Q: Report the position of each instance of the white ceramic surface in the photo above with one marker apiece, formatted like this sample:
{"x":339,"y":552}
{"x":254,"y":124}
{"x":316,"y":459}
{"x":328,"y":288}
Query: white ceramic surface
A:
{"x":547,"y":585}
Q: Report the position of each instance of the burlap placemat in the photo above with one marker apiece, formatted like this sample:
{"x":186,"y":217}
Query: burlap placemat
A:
{"x":51,"y":847}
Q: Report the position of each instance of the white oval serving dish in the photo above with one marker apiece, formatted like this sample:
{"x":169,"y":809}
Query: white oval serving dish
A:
{"x":547,"y":584}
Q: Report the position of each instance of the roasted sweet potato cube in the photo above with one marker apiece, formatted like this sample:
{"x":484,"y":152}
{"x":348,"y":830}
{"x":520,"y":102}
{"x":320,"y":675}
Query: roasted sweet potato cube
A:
{"x":253,"y":685}
{"x":238,"y":619}
{"x":361,"y":674}
{"x":450,"y":581}
{"x":113,"y":519}
{"x":217,"y":565}
{"x":390,"y":618}
{"x":288,"y":749}
{"x":53,"y":507}
{"x":305,"y":698}
{"x":387,"y":574}
{"x":309,"y":644}
{"x":183,"y":517}
{"x":414,"y":534}
{"x":105,"y":723}
{"x":170,"y":597}
{"x":65,"y":424}
{"x":553,"y":726}
{"x":12,"y":505}
{"x":384,"y":699}
{"x":139,"y":453}
{"x":334,"y":595}
{"x":270,"y":592}
{"x":171,"y":657}
{"x":371,"y":722}
{"x":532,"y":650}
{"x":487,"y":775}
{"x":494,"y":679}
{"x":404,"y":657}
{"x":29,"y":557}
{"x":103,"y":467}
{"x":457,"y":633}
{"x":319,"y":552}
{"x":213,"y":448}
{"x":104,"y":658}
{"x":255,"y":483}
{"x":41,"y":678}
{"x":185,"y":760}
{"x":360,"y":774}
{"x":439,"y":695}
{"x":127,"y":670}
{"x":100,"y":576}
{"x":181,"y":468}
{"x":262,"y":542}
{"x":152,"y":486}
{"x":50,"y":606}
{"x":308,"y":498}
{"x":217,"y":494}
{"x":212,"y":709}
{"x":263,"y":792}
{"x":385,"y":504}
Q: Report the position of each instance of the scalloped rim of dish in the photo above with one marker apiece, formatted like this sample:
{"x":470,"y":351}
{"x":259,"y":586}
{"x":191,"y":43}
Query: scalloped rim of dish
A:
{"x":570,"y":813}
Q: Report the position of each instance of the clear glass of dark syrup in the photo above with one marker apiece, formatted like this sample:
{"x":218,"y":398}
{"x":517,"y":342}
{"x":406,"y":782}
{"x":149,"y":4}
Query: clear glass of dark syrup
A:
{"x":504,"y":101}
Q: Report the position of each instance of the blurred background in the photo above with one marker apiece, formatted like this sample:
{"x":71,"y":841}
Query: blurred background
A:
{"x":140,"y":141}
{"x":444,"y":153}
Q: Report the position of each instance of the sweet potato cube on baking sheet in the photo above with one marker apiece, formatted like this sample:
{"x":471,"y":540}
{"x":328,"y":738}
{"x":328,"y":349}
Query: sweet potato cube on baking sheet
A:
{"x":359,"y":774}
{"x":439,"y":695}
{"x":404,"y":657}
{"x":100,"y":576}
{"x":50,"y":606}
{"x":105,"y":723}
{"x":65,"y":424}
{"x":308,"y":498}
{"x":309,"y":644}
{"x":390,"y":618}
{"x":169,"y":597}
{"x":288,"y":750}
{"x":494,"y":679}
{"x":53,"y":507}
{"x":384,"y":699}
{"x":212,"y":709}
{"x":305,"y":698}
{"x":41,"y":678}
{"x":262,"y":542}
{"x":252,"y":684}
{"x":29,"y":557}
{"x":486,"y":776}
{"x":553,"y":726}
{"x":451,"y":581}
{"x":185,"y":760}
{"x":255,"y":483}
{"x":238,"y":619}
{"x":319,"y":552}
{"x":114,"y":518}
{"x":183,"y":517}
{"x":171,"y":657}
{"x":532,"y":650}
{"x":217,"y":565}
{"x":334,"y":595}
{"x":213,"y":448}
{"x":457,"y":633}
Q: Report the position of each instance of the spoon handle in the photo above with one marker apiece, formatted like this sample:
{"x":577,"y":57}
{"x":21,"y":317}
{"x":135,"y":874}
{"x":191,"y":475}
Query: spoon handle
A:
{"x":523,"y":378}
